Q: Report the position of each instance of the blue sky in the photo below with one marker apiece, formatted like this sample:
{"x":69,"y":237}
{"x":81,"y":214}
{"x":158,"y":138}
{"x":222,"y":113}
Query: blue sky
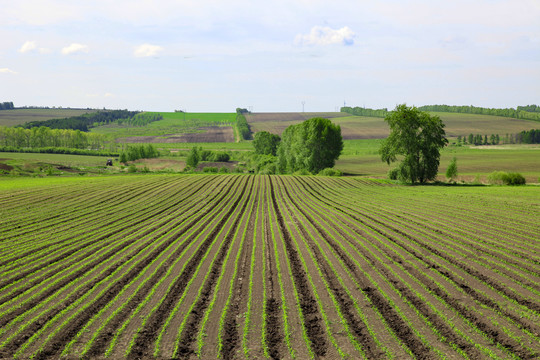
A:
{"x":215,"y":55}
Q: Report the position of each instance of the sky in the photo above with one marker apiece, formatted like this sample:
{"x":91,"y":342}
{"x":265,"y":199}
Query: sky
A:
{"x":269,"y":56}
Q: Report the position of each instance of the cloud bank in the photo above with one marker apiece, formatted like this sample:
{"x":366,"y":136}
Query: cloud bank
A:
{"x":7,"y":71}
{"x":28,"y":46}
{"x":74,"y":49}
{"x":320,"y":35}
{"x":147,"y":50}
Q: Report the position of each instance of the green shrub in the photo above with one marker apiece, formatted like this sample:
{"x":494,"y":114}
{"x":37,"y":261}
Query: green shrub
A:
{"x":193,"y":157}
{"x":206,"y":155}
{"x":330,"y":172}
{"x":452,"y":171}
{"x":496,"y":177}
{"x":514,"y":179}
{"x":393,"y":174}
{"x":132,"y":169}
{"x":223,"y":170}
{"x":221,"y":157}
{"x":302,"y":172}
{"x":501,"y":177}
{"x":210,"y":169}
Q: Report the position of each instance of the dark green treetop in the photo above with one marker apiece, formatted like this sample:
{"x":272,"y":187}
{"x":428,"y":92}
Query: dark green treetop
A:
{"x":266,"y":143}
{"x":312,"y":145}
{"x":418,"y":137}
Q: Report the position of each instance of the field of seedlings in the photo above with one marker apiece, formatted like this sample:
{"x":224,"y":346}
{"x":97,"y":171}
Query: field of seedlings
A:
{"x":282,"y":267}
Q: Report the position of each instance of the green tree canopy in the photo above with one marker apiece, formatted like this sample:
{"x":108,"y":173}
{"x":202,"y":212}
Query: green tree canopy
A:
{"x":266,"y":143}
{"x":193,"y":157}
{"x":312,"y":145}
{"x":418,"y":137}
{"x":451,"y":172}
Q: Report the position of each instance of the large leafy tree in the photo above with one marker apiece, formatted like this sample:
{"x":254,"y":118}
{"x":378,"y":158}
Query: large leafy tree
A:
{"x":266,"y":143}
{"x":312,"y":145}
{"x":417,"y":138}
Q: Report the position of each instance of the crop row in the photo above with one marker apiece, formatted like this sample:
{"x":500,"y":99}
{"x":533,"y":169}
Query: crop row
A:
{"x":235,"y":266}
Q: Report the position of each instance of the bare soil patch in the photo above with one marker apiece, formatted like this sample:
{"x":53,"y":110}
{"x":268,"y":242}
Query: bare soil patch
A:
{"x":5,"y":167}
{"x":208,"y":134}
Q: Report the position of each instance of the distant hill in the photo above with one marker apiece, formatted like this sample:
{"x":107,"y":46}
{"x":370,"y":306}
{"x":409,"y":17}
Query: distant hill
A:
{"x":21,"y":116}
{"x":364,"y":127}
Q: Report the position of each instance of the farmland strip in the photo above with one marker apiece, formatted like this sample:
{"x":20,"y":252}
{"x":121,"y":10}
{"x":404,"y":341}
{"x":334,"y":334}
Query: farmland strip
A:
{"x":307,"y":302}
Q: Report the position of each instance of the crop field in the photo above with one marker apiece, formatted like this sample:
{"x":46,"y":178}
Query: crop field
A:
{"x":361,"y":157}
{"x":176,"y":127}
{"x":283,"y":267}
{"x":20,"y":116}
{"x":362,"y":127}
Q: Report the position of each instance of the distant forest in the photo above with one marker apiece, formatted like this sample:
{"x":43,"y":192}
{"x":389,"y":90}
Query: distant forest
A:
{"x":83,"y":122}
{"x":8,"y":105}
{"x":529,"y":112}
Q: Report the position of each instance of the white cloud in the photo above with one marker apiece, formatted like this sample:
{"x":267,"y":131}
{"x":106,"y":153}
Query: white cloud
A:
{"x":320,"y":35}
{"x":109,"y":95}
{"x":7,"y":71}
{"x":31,"y":46}
{"x":75,"y":48}
{"x":146,"y":50}
{"x":28,"y":46}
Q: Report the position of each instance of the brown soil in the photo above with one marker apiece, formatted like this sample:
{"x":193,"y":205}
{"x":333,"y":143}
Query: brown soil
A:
{"x":393,"y":274}
{"x":308,"y":304}
{"x":291,"y":116}
{"x":229,"y":165}
{"x":5,"y":167}
{"x":208,"y":134}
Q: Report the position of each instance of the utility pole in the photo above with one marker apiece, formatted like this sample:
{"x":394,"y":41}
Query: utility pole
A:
{"x":303,"y":103}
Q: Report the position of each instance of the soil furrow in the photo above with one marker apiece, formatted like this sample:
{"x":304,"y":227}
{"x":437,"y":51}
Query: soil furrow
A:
{"x":190,"y":331}
{"x":21,"y":338}
{"x":240,"y":293}
{"x":88,"y":267}
{"x":52,"y":349}
{"x":347,"y":306}
{"x":497,"y":336}
{"x":308,"y":304}
{"x":148,"y":335}
{"x":274,"y":331}
{"x":102,"y":224}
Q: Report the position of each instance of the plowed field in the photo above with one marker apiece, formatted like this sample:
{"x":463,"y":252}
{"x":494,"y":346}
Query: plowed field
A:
{"x":238,"y":266}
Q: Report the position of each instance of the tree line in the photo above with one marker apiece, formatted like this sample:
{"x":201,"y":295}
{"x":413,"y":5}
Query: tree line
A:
{"x":360,"y":111}
{"x":41,"y":137}
{"x":524,"y":137}
{"x":518,"y":113}
{"x":529,"y":108}
{"x":197,"y":154}
{"x":7,"y":105}
{"x":136,"y":152}
{"x":140,"y":119}
{"x":242,"y":124}
{"x":82,"y":122}
{"x":529,"y":112}
{"x":528,"y":137}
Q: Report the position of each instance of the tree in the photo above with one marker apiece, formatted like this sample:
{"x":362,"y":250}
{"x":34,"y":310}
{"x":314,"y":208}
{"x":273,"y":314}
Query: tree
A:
{"x":451,"y":172}
{"x":193,"y":157}
{"x":418,"y":137}
{"x":310,"y":146}
{"x":266,"y":143}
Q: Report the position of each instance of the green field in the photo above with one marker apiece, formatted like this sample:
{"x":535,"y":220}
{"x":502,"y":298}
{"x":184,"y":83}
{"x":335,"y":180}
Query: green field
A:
{"x":361,"y":157}
{"x":256,"y":267}
{"x":361,"y":127}
{"x":20,"y":116}
{"x":172,"y":123}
